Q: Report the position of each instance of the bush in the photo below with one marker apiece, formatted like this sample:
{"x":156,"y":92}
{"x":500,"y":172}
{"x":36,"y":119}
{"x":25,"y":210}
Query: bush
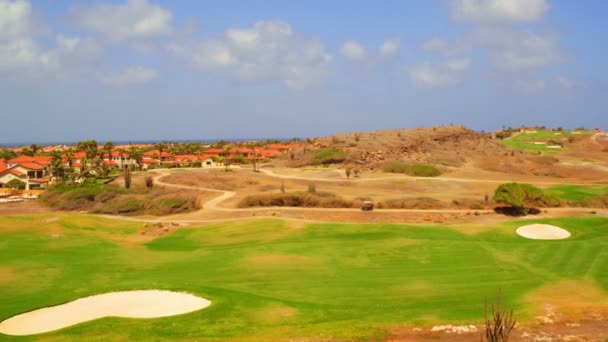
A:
{"x":520,"y":195}
{"x":413,"y":203}
{"x":111,"y":199}
{"x":296,"y":199}
{"x":328,"y":156}
{"x":420,"y":170}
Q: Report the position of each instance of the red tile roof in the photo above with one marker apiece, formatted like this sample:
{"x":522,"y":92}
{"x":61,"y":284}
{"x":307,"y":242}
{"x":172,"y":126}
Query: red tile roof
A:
{"x":213,"y":151}
{"x":42,"y":160}
{"x":12,"y":171}
{"x":186,"y":156}
{"x":31,"y":166}
{"x":153,"y":152}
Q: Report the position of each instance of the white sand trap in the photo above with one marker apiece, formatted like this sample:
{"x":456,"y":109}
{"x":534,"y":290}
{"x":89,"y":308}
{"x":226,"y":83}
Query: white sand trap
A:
{"x":543,"y":232}
{"x":130,"y":304}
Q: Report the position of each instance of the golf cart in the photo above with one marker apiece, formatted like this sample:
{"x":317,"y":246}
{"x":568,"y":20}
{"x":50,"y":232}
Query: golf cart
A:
{"x":367,"y":205}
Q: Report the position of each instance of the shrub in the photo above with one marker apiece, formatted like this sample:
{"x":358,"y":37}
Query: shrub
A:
{"x":519,"y":195}
{"x":328,"y":156}
{"x":296,"y":199}
{"x":149,"y":182}
{"x":420,"y":170}
{"x":413,"y":203}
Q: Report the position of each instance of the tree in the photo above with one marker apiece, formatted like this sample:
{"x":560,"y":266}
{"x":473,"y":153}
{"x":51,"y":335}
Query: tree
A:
{"x":518,"y":195}
{"x":57,"y":169}
{"x":136,"y":154}
{"x":108,"y":147}
{"x":89,"y":147}
{"x":15,"y":184}
{"x":7,"y":154}
{"x":161,"y":147}
{"x":35,"y":148}
{"x":26,"y":151}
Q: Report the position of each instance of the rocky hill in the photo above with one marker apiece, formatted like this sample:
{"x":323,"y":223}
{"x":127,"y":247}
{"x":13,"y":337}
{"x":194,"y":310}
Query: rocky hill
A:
{"x":447,"y":147}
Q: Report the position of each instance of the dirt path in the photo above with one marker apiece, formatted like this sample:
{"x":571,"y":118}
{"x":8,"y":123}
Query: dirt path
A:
{"x":440,"y":178}
{"x":213,"y":204}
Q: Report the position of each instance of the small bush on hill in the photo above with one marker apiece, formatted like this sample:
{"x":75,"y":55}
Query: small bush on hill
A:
{"x":520,"y":195}
{"x":413,"y":203}
{"x":420,"y":170}
{"x":296,"y":199}
{"x":327,"y":156}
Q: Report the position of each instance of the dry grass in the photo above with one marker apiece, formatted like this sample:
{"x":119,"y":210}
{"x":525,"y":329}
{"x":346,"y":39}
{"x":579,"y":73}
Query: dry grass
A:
{"x":578,"y":299}
{"x":297,"y":199}
{"x":115,"y":199}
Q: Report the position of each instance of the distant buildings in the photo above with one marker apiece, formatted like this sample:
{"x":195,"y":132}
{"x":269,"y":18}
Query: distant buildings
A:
{"x":33,"y":172}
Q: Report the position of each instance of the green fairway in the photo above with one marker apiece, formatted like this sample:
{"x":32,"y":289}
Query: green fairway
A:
{"x":532,"y":141}
{"x":271,"y":279}
{"x":576,"y":192}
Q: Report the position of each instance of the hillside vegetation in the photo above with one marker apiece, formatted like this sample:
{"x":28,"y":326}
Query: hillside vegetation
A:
{"x":114,"y":199}
{"x":446,"y":148}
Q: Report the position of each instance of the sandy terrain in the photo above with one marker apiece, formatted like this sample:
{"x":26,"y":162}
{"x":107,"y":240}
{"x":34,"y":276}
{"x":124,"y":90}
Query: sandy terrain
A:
{"x":543,"y":232}
{"x":131,"y":304}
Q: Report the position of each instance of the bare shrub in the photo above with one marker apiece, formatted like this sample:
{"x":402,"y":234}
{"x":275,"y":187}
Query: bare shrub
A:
{"x":149,"y":182}
{"x":296,"y":199}
{"x":499,"y":326}
{"x":414,"y":203}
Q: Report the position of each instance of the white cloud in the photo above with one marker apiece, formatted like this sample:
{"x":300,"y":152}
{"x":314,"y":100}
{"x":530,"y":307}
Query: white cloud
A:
{"x":131,"y":20}
{"x":498,"y":10}
{"x":353,"y":50}
{"x":15,"y":19}
{"x":429,"y":75}
{"x":22,"y":55}
{"x":508,"y":48}
{"x":269,"y":51}
{"x":134,"y":75}
{"x":513,"y":49}
{"x":390,"y":47}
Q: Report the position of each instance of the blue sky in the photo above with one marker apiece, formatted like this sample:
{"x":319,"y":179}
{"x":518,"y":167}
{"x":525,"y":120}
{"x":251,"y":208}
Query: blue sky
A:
{"x":152,"y":69}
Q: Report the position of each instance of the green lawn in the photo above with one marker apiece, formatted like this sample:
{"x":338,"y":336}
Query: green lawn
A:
{"x":526,"y":141}
{"x":576,"y":192}
{"x":271,"y":279}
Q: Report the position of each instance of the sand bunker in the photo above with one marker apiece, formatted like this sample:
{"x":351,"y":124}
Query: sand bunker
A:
{"x":130,"y":304}
{"x":543,"y":232}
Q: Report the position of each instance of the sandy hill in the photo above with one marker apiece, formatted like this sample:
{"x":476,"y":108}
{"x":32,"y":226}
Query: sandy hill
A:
{"x":447,"y":147}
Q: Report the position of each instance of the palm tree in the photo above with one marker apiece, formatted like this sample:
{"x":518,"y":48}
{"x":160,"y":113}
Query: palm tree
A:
{"x":108,"y":147}
{"x":161,"y":146}
{"x":35,"y":148}
{"x":136,"y":154}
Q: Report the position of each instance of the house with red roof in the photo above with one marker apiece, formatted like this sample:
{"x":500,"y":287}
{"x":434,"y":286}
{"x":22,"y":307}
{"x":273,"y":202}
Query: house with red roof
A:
{"x":32,"y":171}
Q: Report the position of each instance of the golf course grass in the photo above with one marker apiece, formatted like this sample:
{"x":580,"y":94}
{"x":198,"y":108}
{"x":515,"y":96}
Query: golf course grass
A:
{"x":273,"y":279}
{"x":526,"y":140}
{"x":576,"y":192}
